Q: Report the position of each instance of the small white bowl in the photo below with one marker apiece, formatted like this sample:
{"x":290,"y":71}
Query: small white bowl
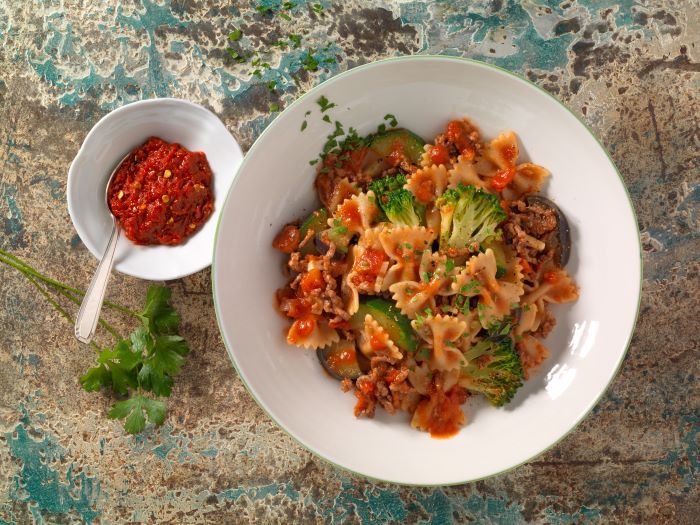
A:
{"x":118,"y":133}
{"x":275,"y":185}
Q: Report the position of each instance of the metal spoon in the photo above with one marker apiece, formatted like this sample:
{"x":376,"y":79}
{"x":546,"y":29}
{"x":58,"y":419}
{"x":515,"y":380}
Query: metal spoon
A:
{"x":89,"y":313}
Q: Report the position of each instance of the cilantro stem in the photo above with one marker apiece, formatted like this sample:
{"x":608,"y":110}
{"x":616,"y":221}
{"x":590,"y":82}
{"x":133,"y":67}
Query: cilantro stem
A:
{"x":11,"y":260}
{"x":104,"y":324}
{"x":57,"y":306}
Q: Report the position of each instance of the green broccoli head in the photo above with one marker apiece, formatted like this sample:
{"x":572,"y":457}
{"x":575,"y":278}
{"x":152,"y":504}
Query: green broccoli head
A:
{"x":398,"y":204}
{"x":493,"y":369}
{"x":382,"y":187}
{"x":402,"y":209}
{"x":469,"y":218}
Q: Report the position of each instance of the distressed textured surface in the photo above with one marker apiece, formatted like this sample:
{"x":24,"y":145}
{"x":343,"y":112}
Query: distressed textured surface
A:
{"x":631,"y":70}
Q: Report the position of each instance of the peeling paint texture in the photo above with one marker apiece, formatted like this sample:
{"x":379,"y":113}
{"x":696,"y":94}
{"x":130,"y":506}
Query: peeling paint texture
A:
{"x":630,"y":69}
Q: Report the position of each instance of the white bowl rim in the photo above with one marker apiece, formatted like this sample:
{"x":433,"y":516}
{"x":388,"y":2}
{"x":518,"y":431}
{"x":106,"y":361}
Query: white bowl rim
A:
{"x":315,"y":91}
{"x":70,"y":195}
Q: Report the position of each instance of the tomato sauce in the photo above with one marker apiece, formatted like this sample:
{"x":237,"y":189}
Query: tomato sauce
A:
{"x":301,"y":329}
{"x":161,"y":193}
{"x":457,"y":134}
{"x":439,"y":154}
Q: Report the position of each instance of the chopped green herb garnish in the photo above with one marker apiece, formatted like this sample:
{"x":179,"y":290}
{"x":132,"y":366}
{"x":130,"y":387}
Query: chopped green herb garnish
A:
{"x":317,"y":8}
{"x":235,"y":35}
{"x":262,"y":9}
{"x":340,"y":229}
{"x":327,"y":118}
{"x":285,"y":16}
{"x":449,"y":265}
{"x":303,"y":125}
{"x":257,"y":73}
{"x":312,"y":162}
{"x":426,"y":276}
{"x":470,"y":287}
{"x":271,"y":85}
{"x":280,"y":43}
{"x":325,"y":104}
{"x":526,"y":307}
{"x":408,"y":245}
{"x":391,"y":119}
{"x":289,"y":5}
{"x":274,"y":107}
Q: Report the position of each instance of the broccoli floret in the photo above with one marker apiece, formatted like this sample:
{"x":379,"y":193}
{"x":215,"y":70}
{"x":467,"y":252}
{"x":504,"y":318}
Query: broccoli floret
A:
{"x":402,"y":208}
{"x":399,"y":205}
{"x":382,"y":187}
{"x":493,"y":369}
{"x":468,"y":219}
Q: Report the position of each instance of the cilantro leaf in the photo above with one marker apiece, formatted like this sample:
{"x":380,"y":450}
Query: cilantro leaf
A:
{"x":95,"y":378}
{"x":132,"y":411}
{"x":324,"y":103}
{"x":115,"y":368}
{"x":164,"y":361}
{"x":235,"y":35}
{"x":157,"y":315}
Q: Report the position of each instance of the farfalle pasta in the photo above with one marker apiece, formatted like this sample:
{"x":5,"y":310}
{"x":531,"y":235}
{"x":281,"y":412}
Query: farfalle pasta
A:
{"x":427,"y":276}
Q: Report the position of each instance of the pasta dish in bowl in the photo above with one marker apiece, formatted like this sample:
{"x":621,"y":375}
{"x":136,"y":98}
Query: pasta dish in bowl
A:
{"x":429,"y":278}
{"x":482,"y":286}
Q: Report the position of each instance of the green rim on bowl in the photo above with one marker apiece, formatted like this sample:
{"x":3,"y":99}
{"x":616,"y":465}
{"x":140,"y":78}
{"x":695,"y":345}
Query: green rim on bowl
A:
{"x":315,"y":91}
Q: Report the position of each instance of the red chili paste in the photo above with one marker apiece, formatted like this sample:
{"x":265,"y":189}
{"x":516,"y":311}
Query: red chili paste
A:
{"x":161,"y":193}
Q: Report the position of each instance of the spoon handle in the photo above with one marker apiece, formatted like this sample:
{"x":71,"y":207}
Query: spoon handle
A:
{"x":86,"y":322}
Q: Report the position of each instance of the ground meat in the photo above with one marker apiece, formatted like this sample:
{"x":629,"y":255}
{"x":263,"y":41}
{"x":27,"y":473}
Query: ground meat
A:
{"x":346,"y":385}
{"x":385,"y":384}
{"x":528,"y":223}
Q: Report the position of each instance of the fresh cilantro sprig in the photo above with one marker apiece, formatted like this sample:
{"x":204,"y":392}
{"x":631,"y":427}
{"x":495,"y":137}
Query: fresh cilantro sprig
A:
{"x":141,"y":366}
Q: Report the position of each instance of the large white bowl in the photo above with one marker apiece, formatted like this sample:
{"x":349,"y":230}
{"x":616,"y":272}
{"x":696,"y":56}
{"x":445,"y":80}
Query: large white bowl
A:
{"x":118,"y":133}
{"x":275,"y":185}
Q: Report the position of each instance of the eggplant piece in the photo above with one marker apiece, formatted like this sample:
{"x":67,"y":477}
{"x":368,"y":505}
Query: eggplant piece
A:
{"x":342,"y":360}
{"x":561,"y":240}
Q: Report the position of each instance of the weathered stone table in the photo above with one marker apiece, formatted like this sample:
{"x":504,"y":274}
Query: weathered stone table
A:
{"x":631,"y":72}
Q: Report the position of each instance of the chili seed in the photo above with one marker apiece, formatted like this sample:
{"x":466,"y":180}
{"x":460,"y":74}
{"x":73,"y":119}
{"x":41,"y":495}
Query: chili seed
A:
{"x":120,"y":194}
{"x":167,"y":174}
{"x":165,"y":199}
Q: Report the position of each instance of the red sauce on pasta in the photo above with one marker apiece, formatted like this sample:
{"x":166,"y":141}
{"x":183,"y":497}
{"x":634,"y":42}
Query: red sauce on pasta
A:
{"x":503,"y":178}
{"x":425,"y":190}
{"x":161,"y":193}
{"x":350,"y":215}
{"x":301,"y":329}
{"x":457,"y":134}
{"x":439,"y":154}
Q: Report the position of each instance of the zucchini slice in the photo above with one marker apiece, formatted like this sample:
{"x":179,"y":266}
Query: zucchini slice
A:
{"x":397,"y":325}
{"x":317,"y":221}
{"x":384,"y":143}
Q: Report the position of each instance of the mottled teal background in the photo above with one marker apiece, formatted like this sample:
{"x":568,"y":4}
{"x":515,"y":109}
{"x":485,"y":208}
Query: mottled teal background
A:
{"x":631,"y":70}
